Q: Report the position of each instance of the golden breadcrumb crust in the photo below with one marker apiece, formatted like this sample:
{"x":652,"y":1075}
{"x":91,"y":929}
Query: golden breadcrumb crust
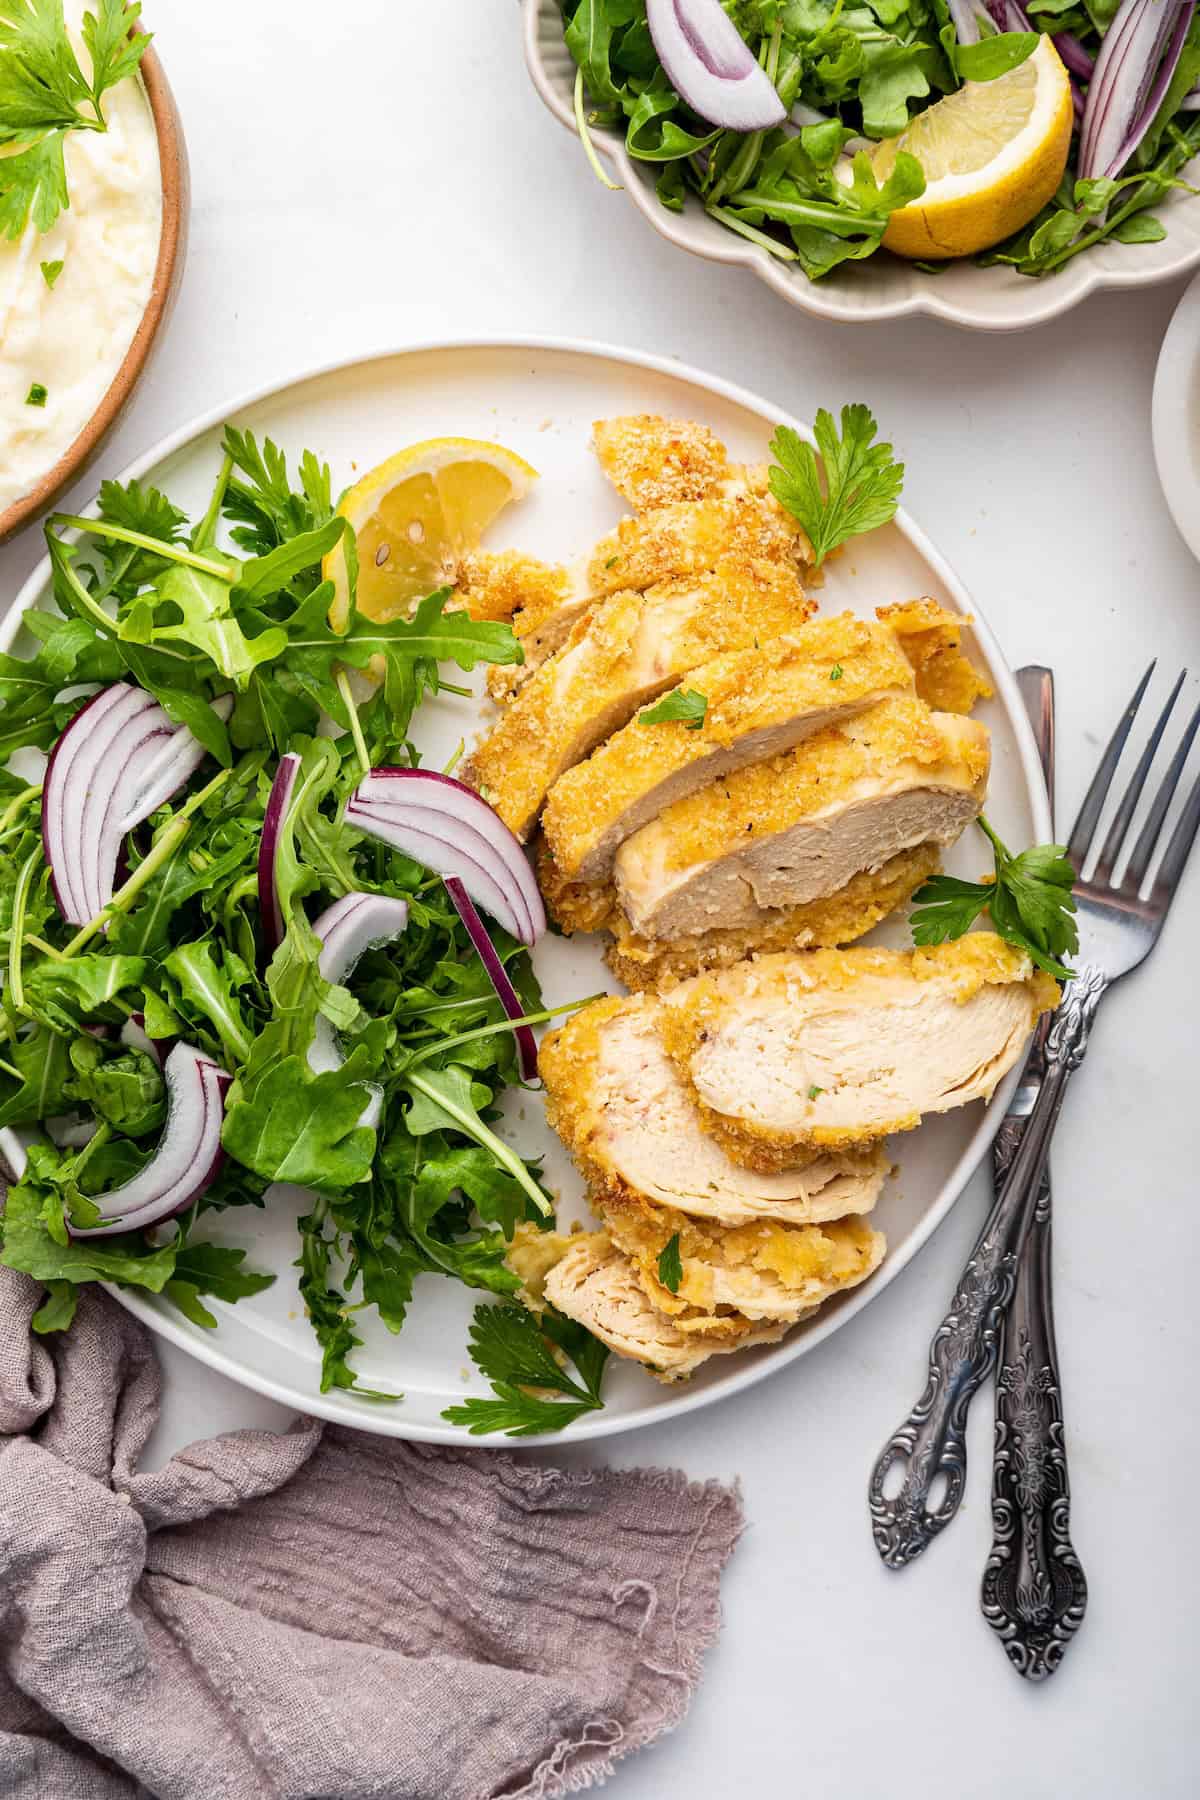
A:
{"x":931,"y":638}
{"x":696,"y":1008}
{"x":652,"y":461}
{"x":747,"y":691}
{"x":613,"y":648}
{"x":501,"y":584}
{"x":900,"y":735}
{"x":763,"y":1269}
{"x":689,"y":537}
{"x":599,"y":1287}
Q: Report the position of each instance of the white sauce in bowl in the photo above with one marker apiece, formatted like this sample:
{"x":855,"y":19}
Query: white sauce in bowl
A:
{"x":71,"y":339}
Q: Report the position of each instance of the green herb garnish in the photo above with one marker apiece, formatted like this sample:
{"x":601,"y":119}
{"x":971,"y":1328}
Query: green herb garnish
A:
{"x":44,"y":94}
{"x":862,"y":479}
{"x":814,"y":1092}
{"x":51,"y":272}
{"x":1030,"y":904}
{"x":516,"y":1351}
{"x":670,"y":1268}
{"x":684,"y":704}
{"x":836,"y":673}
{"x":37,"y":395}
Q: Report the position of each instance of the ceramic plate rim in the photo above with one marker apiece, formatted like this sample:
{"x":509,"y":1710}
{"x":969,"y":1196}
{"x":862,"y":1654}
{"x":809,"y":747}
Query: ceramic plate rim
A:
{"x":344,"y":1411}
{"x":1170,"y":425}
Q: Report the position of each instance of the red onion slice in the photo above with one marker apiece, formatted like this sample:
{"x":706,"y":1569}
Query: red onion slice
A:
{"x":1119,"y":111}
{"x":448,"y":848}
{"x":399,"y":789}
{"x":506,"y":993}
{"x":278,"y":801}
{"x":710,"y":65}
{"x":134,"y":1036}
{"x":189,"y":1152}
{"x":117,"y":761}
{"x":347,"y":930}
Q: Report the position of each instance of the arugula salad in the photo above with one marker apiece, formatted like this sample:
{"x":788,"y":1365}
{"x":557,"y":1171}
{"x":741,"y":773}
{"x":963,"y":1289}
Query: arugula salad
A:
{"x":227,"y":962}
{"x":791,"y":122}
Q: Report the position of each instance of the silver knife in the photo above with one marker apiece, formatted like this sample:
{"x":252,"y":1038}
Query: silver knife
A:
{"x":1034,"y":1590}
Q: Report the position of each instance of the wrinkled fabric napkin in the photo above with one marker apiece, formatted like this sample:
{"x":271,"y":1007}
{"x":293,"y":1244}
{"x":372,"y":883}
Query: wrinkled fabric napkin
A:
{"x":321,"y":1613}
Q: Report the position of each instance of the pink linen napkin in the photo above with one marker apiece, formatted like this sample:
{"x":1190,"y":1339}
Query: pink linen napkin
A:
{"x":321,"y":1613}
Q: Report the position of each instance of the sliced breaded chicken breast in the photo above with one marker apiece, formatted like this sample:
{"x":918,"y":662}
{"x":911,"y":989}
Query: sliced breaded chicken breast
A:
{"x":849,"y":914}
{"x":829,"y":1048}
{"x":798,"y":827}
{"x":617,"y":658}
{"x":594,"y":1284}
{"x":652,"y":461}
{"x":688,"y":537}
{"x":765,"y":1271}
{"x":617,"y":1101}
{"x":931,"y":638}
{"x":761,"y":702}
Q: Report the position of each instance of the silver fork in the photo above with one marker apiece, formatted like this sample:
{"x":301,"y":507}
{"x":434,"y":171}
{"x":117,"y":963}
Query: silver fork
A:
{"x":1117,"y":930}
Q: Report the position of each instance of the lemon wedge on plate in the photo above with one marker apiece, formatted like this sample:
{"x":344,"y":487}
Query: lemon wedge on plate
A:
{"x":993,"y":154}
{"x":415,"y":515}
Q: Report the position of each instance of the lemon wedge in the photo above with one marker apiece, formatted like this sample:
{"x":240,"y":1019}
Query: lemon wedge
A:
{"x":415,"y":515}
{"x":993,"y":154}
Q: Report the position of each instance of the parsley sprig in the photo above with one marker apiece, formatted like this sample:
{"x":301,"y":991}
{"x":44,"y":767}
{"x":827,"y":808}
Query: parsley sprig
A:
{"x":1030,"y":903}
{"x":862,"y":479}
{"x":44,"y":94}
{"x":687,"y":704}
{"x":515,"y":1349}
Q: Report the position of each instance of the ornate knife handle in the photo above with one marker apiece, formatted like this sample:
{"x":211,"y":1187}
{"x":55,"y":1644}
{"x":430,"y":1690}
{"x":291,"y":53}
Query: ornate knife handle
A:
{"x":931,"y":1443}
{"x":1034,"y":1589}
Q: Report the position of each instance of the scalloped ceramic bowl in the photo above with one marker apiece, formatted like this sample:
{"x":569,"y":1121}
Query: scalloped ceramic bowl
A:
{"x":995,"y":299}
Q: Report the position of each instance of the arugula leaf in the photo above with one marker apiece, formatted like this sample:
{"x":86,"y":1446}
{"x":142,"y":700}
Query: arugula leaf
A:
{"x":862,"y":479}
{"x":686,"y":704}
{"x":327,"y":1309}
{"x":292,"y":1125}
{"x":29,"y":1243}
{"x":1030,"y":903}
{"x":995,"y":55}
{"x":670,"y":1267}
{"x":514,"y":1349}
{"x":211,"y":1269}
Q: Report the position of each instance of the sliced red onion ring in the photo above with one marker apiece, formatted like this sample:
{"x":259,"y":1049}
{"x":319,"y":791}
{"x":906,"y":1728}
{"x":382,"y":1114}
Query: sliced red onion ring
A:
{"x":506,"y":993}
{"x":1076,"y":57}
{"x":965,"y":19}
{"x":710,"y":65}
{"x":189,"y":1153}
{"x":347,"y":930}
{"x":1136,"y":61}
{"x":117,"y":761}
{"x":452,"y":830}
{"x":134,"y":1035}
{"x":278,"y":801}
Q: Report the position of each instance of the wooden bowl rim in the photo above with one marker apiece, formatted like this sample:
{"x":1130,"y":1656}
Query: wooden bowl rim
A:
{"x":169,"y":134}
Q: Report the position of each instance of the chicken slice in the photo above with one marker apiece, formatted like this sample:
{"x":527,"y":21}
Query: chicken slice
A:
{"x":616,"y":659}
{"x":760,"y":702}
{"x":798,"y":827}
{"x":765,"y":1271}
{"x":829,"y":1048}
{"x":642,"y":963}
{"x":688,"y":537}
{"x":597,"y":1286}
{"x":617,"y":1101}
{"x":931,"y":638}
{"x":652,"y":461}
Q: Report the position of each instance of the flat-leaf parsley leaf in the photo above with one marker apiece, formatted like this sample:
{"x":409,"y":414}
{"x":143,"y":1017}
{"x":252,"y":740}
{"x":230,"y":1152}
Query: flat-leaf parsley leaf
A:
{"x":1030,"y":903}
{"x":862,"y":479}
{"x":685,"y":704}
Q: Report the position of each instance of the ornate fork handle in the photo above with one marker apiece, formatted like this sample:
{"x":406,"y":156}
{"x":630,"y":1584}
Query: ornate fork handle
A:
{"x":931,"y":1443}
{"x":1034,"y":1589}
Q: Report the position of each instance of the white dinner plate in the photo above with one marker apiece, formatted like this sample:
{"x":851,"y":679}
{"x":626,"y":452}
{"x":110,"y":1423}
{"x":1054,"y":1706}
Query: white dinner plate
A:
{"x":1175,"y":417}
{"x":540,"y":398}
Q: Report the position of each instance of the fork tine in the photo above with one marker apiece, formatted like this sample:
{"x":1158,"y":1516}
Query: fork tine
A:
{"x":1143,"y":850}
{"x":1133,"y":793}
{"x":1085,"y":825}
{"x":1179,"y":848}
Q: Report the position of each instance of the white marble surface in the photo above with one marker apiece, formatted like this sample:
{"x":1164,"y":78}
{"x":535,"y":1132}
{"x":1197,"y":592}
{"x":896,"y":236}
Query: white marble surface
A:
{"x":376,"y":172}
